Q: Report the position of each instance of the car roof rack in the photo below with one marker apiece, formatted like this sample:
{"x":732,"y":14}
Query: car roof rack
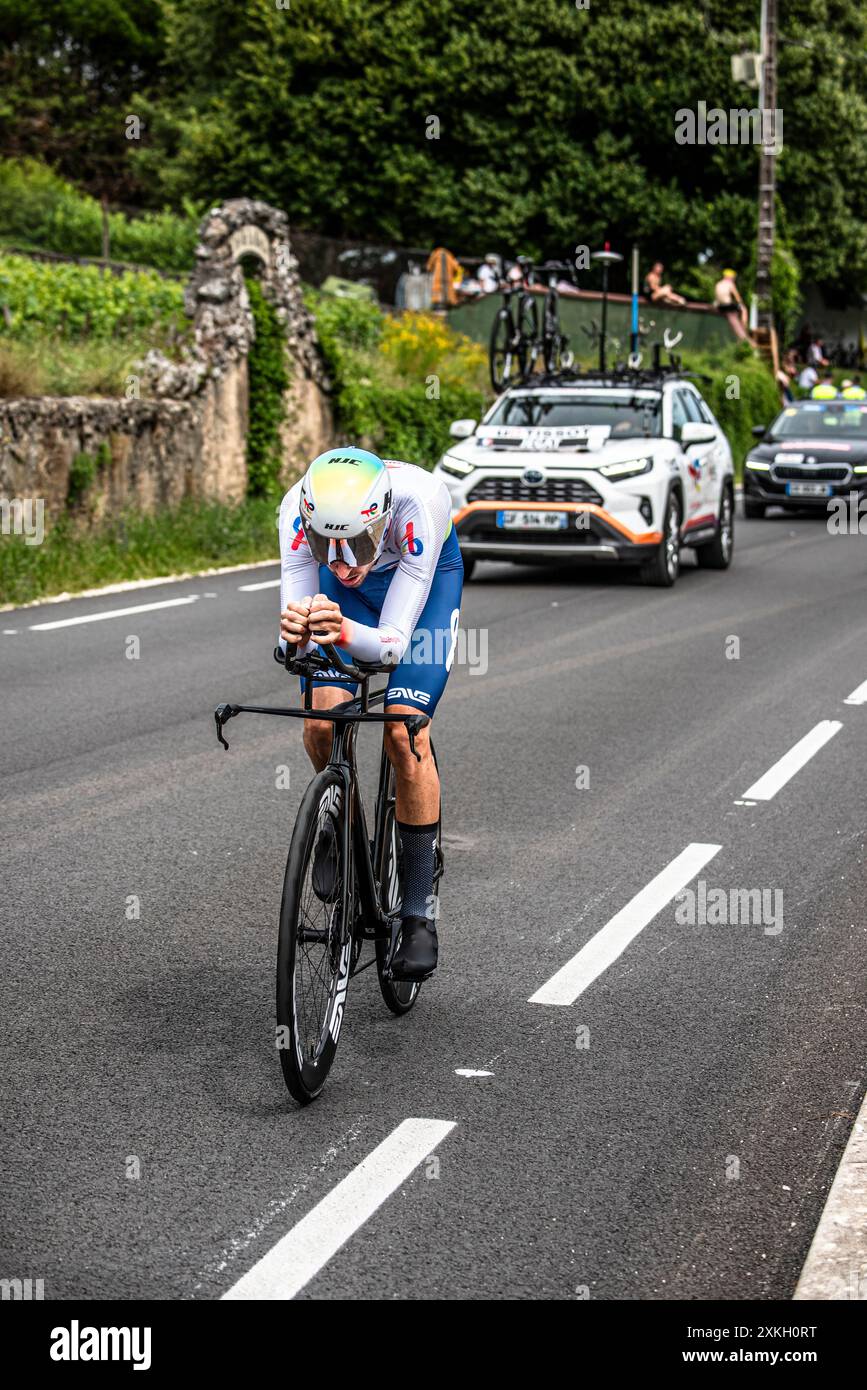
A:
{"x":619,"y":375}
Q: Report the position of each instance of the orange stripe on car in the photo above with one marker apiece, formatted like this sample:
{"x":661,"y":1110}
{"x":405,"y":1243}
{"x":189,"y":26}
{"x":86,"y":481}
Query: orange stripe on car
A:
{"x":644,"y":538}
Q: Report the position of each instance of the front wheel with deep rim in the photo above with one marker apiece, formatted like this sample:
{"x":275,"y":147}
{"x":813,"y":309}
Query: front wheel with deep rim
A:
{"x":753,"y":510}
{"x":315,"y":944}
{"x":662,"y":569}
{"x":717,"y":554}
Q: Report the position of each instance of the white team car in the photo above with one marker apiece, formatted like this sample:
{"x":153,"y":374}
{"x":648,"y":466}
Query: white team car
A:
{"x":629,"y":467}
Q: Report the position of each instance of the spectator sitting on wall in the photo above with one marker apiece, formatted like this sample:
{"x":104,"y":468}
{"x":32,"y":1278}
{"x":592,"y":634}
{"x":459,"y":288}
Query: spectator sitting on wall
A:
{"x":656,"y":291}
{"x":727,"y":298}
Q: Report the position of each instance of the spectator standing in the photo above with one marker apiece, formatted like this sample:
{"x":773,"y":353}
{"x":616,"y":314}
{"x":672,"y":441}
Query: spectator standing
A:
{"x":727,"y":298}
{"x":816,"y":354}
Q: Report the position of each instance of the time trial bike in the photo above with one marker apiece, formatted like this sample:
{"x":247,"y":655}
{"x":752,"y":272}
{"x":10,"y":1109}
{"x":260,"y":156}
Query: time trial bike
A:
{"x":341,"y":887}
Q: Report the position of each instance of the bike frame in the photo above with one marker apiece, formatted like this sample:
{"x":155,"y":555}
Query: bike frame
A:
{"x":345,"y":719}
{"x":358,"y":849}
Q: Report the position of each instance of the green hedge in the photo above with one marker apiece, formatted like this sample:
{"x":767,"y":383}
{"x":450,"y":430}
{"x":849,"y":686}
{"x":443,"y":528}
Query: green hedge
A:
{"x":40,"y":210}
{"x":401,"y":422}
{"x":757,"y":401}
{"x":397,"y":415}
{"x":82,"y":300}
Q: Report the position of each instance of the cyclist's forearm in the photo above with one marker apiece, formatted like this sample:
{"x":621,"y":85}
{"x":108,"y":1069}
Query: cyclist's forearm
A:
{"x":382,"y":644}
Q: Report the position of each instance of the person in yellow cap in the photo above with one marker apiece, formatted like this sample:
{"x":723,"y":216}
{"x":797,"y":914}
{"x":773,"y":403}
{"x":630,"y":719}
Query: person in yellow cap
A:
{"x":727,"y":299}
{"x":853,"y":390}
{"x":825,"y":391}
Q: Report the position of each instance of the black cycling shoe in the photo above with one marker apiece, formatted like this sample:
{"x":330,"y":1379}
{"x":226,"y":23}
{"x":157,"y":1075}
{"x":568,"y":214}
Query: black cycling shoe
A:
{"x":416,"y":954}
{"x":324,"y":876}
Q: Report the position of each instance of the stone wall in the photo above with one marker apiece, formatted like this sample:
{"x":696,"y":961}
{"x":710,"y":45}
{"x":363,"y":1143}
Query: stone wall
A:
{"x":186,"y":436}
{"x":155,"y":448}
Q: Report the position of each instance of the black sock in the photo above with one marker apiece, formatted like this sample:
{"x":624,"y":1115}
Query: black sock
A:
{"x":418,"y":843}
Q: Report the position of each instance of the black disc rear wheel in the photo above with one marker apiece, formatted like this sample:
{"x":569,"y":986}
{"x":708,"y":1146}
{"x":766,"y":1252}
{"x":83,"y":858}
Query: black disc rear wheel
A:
{"x":315,"y":945}
{"x":399,"y":995}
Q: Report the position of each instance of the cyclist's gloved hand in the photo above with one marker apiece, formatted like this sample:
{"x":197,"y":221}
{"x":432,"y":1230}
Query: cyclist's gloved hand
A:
{"x":325,"y":619}
{"x":295,"y":622}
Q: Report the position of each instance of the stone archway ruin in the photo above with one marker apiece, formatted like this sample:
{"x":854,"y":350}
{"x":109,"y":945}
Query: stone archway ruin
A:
{"x":214,"y":377}
{"x":184,"y":434}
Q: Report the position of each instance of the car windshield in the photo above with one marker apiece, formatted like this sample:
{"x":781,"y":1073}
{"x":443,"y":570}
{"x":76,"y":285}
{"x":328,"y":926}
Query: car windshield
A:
{"x":626,"y":416}
{"x":818,"y":420}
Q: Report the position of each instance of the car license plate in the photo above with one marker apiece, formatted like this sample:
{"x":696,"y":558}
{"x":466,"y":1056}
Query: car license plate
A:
{"x":808,"y":489}
{"x":532,"y":521}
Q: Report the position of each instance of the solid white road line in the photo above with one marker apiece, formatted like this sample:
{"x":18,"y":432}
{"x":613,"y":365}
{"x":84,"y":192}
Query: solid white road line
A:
{"x":836,"y":1264}
{"x":253,"y":588}
{"x":113,"y":613}
{"x":609,"y":943}
{"x":858,"y":697}
{"x":128,"y":585}
{"x":470,"y":1071}
{"x":309,"y":1246}
{"x":792,"y":762}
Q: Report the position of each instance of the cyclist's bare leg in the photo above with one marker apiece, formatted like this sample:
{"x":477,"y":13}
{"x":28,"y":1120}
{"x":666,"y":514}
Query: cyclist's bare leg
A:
{"x":418,"y":783}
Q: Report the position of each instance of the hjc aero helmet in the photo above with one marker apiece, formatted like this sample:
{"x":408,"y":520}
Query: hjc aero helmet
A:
{"x":346,"y":506}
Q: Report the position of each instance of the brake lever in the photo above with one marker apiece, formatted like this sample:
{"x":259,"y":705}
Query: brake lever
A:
{"x":222,"y":714}
{"x":414,"y":725}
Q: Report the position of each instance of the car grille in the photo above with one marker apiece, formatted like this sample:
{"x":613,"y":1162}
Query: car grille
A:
{"x":513,"y":489}
{"x":830,"y":473}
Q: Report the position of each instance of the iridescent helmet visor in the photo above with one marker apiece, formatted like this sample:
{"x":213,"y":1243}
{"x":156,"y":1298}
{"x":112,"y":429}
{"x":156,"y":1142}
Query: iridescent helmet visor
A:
{"x":352,"y":550}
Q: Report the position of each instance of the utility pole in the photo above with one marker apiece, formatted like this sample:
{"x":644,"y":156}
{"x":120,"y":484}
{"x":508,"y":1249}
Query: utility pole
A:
{"x":767,"y":168}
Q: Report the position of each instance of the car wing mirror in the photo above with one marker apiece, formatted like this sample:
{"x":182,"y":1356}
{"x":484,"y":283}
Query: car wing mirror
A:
{"x":759,"y":431}
{"x":462,"y":429}
{"x":695,"y":432}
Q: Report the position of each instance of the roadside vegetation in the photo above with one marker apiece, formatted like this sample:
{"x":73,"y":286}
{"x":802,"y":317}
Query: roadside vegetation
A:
{"x":70,"y":330}
{"x":76,"y":555}
{"x":41,"y":211}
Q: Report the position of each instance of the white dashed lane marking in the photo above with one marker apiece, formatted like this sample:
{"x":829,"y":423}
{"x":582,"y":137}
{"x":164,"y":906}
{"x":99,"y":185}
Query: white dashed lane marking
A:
{"x":609,"y":943}
{"x":858,"y":696}
{"x":308,"y":1247}
{"x":114,"y":613}
{"x":783,"y":771}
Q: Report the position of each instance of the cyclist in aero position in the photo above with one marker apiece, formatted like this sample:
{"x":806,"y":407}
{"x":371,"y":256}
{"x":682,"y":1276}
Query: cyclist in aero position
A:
{"x":369,"y":558}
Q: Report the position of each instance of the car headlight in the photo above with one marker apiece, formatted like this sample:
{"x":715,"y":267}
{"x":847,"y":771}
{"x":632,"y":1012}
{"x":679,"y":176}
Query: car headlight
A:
{"x":456,"y":466}
{"x":630,"y":468}
{"x":758,"y":466}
